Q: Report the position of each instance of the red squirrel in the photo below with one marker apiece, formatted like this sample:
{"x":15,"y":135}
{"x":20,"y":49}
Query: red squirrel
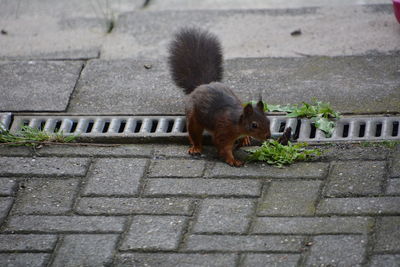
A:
{"x":195,"y":61}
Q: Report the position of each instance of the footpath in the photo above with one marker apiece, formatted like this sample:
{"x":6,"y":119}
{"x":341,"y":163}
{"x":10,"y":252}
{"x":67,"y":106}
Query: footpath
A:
{"x":153,"y":204}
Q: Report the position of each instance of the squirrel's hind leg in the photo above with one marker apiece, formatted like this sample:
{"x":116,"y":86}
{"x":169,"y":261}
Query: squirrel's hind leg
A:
{"x":195,"y":131}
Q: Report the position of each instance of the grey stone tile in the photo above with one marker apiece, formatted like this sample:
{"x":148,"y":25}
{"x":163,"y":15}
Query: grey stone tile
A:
{"x":176,"y":168}
{"x":359,"y":206}
{"x":224,"y":216}
{"x":238,"y":29}
{"x":46,"y":196}
{"x":265,"y":260}
{"x":24,"y":259}
{"x":72,"y":224}
{"x":86,"y":250}
{"x":249,"y":4}
{"x":122,"y":86}
{"x":311,"y":225}
{"x":393,"y":186}
{"x":295,"y":171}
{"x":385,"y":260}
{"x":44,"y":167}
{"x":176,"y":259}
{"x":37,"y":86}
{"x":337,"y":250}
{"x":27,"y":242}
{"x":395,"y":164}
{"x":21,"y":151}
{"x":243,"y":243}
{"x":7,"y":186}
{"x":202,"y":187}
{"x":115,"y":176}
{"x":5,"y":205}
{"x":291,"y":198}
{"x":154,"y":233}
{"x":388,"y":234}
{"x":92,"y":151}
{"x":356,"y":178}
{"x":127,"y":206}
{"x":345,"y":152}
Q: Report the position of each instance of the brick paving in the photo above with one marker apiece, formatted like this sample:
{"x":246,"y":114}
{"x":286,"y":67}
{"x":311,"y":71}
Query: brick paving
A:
{"x":94,"y":210}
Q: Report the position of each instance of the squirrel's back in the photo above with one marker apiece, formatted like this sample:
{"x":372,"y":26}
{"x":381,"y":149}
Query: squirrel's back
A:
{"x":195,"y":58}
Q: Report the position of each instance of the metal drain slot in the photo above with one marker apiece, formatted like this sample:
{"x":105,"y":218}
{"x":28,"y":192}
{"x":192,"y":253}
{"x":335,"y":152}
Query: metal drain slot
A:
{"x":357,"y":128}
{"x":5,"y":121}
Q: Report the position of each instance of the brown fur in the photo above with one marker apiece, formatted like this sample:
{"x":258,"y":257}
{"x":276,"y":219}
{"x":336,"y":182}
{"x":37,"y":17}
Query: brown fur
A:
{"x":196,"y":66}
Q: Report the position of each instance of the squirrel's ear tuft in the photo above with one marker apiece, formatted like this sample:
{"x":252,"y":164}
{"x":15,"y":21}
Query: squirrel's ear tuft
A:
{"x":248,"y":110}
{"x":260,"y":105}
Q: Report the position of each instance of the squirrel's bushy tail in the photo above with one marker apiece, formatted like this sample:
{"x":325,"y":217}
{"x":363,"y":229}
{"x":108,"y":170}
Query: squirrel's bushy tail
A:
{"x":195,"y":58}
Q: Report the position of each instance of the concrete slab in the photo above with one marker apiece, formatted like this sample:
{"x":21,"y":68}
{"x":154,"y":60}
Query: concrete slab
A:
{"x":351,"y":84}
{"x":251,"y":4}
{"x":126,"y":86}
{"x":328,"y":31}
{"x":37,"y":85}
{"x":64,"y":29}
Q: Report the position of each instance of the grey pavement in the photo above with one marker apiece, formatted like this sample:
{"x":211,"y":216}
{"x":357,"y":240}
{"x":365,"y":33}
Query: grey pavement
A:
{"x":124,"y":207}
{"x":153,"y":204}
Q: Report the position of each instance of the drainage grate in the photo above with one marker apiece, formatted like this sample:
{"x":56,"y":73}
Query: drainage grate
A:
{"x":359,"y":128}
{"x":5,"y":120}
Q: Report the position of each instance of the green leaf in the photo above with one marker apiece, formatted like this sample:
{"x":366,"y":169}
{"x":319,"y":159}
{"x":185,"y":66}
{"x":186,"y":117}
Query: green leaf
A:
{"x":277,"y":154}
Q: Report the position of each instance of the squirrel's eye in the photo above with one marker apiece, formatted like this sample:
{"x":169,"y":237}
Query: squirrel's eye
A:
{"x":254,"y":125}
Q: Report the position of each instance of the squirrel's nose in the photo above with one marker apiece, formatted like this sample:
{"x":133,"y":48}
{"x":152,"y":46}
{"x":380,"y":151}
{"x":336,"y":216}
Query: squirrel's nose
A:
{"x":267,"y":136}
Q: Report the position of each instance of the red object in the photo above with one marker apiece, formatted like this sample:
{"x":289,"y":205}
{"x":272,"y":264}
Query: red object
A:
{"x":396,"y":7}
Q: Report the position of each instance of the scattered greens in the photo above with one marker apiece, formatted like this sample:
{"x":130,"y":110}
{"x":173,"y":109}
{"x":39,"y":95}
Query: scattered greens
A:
{"x":28,"y":136}
{"x":320,"y":113}
{"x":277,"y":154}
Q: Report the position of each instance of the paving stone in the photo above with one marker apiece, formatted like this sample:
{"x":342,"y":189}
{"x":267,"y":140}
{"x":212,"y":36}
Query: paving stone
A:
{"x":37,"y":86}
{"x":51,"y":224}
{"x":86,"y":250}
{"x":168,"y":168}
{"x":15,"y":151}
{"x":393,"y":186}
{"x":260,"y":33}
{"x":224,"y":216}
{"x":5,"y":205}
{"x":127,"y":206}
{"x":395,"y":164}
{"x":202,"y":187}
{"x":7,"y":186}
{"x":388,"y":234}
{"x":345,"y":152}
{"x":24,"y":259}
{"x":99,"y":91}
{"x":43,"y":196}
{"x":243,"y":243}
{"x":92,"y":151}
{"x":311,"y":225}
{"x":385,"y":260}
{"x":249,"y":4}
{"x":292,"y":198}
{"x":28,"y":242}
{"x":355,"y":178}
{"x":122,"y":86}
{"x":44,"y":167}
{"x":277,"y":260}
{"x":298,"y":170}
{"x":337,"y":250}
{"x":154,"y":233}
{"x":115,"y":176}
{"x":359,"y":206}
{"x":175,"y":259}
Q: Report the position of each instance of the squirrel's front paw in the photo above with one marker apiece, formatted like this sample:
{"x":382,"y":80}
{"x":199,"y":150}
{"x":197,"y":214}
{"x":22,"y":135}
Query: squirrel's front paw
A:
{"x":235,"y":163}
{"x":194,"y":151}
